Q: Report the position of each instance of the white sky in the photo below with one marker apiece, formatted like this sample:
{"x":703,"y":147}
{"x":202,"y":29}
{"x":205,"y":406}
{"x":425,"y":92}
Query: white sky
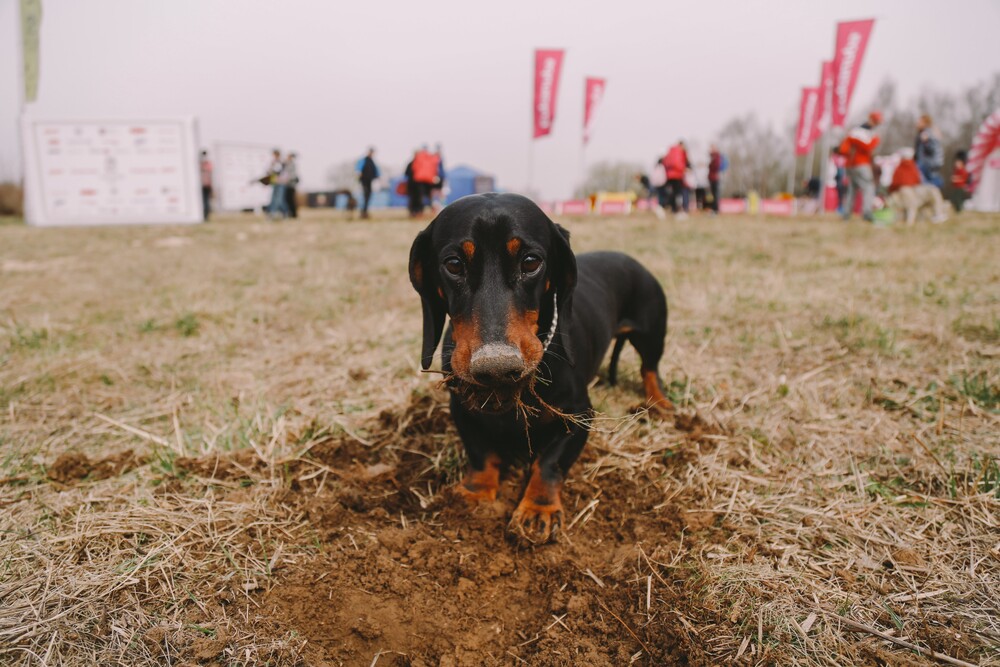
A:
{"x":329,"y":78}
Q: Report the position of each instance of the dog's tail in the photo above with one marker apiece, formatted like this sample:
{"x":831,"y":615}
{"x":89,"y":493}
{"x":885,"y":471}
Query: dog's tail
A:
{"x":613,"y":367}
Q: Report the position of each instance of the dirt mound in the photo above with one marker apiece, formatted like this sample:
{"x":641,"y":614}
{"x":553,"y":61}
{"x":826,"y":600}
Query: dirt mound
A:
{"x":411,"y":574}
{"x":405,"y":571}
{"x":72,"y":467}
{"x":451,"y":587}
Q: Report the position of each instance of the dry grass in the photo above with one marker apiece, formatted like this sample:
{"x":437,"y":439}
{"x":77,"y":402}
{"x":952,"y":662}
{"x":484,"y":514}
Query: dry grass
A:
{"x":194,"y":421}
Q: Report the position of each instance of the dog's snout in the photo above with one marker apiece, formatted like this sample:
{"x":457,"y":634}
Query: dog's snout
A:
{"x":497,"y":363}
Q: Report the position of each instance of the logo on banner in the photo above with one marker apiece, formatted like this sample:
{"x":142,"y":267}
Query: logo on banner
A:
{"x":852,"y":38}
{"x":807,"y":120}
{"x":825,"y":88}
{"x":547,"y":66}
{"x":592,"y":96}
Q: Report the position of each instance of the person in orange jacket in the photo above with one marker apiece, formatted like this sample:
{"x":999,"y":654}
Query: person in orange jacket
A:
{"x":858,"y":147}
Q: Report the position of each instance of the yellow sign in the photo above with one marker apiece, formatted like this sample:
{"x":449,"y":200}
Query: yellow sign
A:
{"x":31,"y":22}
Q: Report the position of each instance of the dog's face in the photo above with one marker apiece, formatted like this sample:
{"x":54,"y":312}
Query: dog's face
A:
{"x":494,"y":263}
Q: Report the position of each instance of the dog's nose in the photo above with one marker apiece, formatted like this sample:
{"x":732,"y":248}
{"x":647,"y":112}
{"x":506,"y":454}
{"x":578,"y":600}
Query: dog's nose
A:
{"x":496,"y":362}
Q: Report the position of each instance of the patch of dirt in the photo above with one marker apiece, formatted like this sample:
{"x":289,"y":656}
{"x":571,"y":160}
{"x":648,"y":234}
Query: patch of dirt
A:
{"x":70,"y":467}
{"x":696,"y":426}
{"x":406,"y":568}
{"x":237,"y":465}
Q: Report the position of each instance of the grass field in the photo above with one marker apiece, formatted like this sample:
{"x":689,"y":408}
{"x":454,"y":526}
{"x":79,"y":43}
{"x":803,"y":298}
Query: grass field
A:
{"x":216,"y":447}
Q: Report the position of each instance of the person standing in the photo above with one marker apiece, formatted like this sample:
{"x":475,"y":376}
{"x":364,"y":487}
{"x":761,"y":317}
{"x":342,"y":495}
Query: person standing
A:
{"x":278,"y":208}
{"x":414,"y":197}
{"x":714,"y":175}
{"x":290,"y":174}
{"x":367,"y":173}
{"x":425,"y":175}
{"x":838,"y":172}
{"x":928,"y":151}
{"x":205,"y":166}
{"x":858,"y":146}
{"x":961,"y":182}
{"x":437,"y":189}
{"x":676,"y":164}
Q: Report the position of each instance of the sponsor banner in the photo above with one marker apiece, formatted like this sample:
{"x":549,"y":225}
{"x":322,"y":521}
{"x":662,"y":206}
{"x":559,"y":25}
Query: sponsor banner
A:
{"x":106,"y":172}
{"x":777,"y":206}
{"x":548,"y":65}
{"x":593,"y":92}
{"x":732,"y":206}
{"x":237,"y":169}
{"x":573,"y":207}
{"x":822,"y":123}
{"x":614,"y":207}
{"x":852,"y":39}
{"x":806,"y":134}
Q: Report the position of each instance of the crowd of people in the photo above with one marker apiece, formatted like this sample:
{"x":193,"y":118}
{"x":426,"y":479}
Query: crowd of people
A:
{"x":675,"y":178}
{"x":917,"y":182}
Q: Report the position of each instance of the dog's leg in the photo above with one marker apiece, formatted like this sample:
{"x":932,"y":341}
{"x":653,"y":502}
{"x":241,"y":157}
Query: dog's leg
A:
{"x":540,"y":511}
{"x":613,"y":366}
{"x":650,"y":349}
{"x":656,"y":400}
{"x":482,"y":478}
{"x":481,"y":481}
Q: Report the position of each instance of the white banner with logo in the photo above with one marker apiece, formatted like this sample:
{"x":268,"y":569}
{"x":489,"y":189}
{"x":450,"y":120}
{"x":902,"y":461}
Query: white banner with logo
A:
{"x":109,"y":172}
{"x":237,"y":169}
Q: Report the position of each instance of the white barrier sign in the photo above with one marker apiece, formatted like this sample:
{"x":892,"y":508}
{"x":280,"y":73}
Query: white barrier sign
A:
{"x":237,"y":168}
{"x":92,"y":172}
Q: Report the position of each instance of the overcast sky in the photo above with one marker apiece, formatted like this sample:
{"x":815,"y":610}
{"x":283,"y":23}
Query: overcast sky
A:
{"x":329,"y":78}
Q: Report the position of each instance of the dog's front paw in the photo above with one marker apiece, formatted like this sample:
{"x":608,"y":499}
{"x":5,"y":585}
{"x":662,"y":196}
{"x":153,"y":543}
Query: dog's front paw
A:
{"x":480,"y":486}
{"x":535,"y":522}
{"x":474,"y":493}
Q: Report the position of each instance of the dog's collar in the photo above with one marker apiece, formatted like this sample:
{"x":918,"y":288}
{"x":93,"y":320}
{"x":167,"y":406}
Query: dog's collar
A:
{"x":552,"y":327}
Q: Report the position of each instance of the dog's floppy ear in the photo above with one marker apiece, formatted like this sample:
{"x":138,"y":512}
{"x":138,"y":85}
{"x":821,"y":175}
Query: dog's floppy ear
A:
{"x":562,"y":273}
{"x":424,"y":278}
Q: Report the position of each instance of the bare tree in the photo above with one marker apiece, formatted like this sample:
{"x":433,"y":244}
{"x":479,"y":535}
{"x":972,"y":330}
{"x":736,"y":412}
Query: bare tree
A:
{"x":610,"y":177}
{"x":341,"y":176}
{"x":759,"y":158}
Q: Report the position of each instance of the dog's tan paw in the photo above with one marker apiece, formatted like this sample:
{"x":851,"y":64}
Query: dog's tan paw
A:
{"x":535,"y":522}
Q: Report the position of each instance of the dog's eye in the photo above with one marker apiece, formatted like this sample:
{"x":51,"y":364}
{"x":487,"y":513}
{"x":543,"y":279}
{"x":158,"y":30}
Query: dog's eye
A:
{"x":454,"y":266}
{"x":530,"y":264}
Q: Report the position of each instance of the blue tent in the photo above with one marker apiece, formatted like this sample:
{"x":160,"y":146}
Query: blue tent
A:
{"x":464,"y":181}
{"x":461,"y":181}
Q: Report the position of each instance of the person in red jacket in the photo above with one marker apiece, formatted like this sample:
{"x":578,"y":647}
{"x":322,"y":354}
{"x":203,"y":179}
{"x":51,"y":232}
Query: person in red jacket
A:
{"x":676,"y":164}
{"x":911,"y":194}
{"x":961,"y":182}
{"x":858,"y":147}
{"x":907,"y":173}
{"x":423,"y":172}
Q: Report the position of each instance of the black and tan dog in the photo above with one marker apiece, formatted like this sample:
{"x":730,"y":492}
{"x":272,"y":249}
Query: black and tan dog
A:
{"x":530,"y":325}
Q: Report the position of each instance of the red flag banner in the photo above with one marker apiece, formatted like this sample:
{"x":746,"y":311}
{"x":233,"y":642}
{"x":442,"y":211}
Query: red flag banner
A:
{"x":852,"y":39}
{"x":593,"y":91}
{"x":548,"y":64}
{"x":822,"y":123}
{"x":807,"y":121}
